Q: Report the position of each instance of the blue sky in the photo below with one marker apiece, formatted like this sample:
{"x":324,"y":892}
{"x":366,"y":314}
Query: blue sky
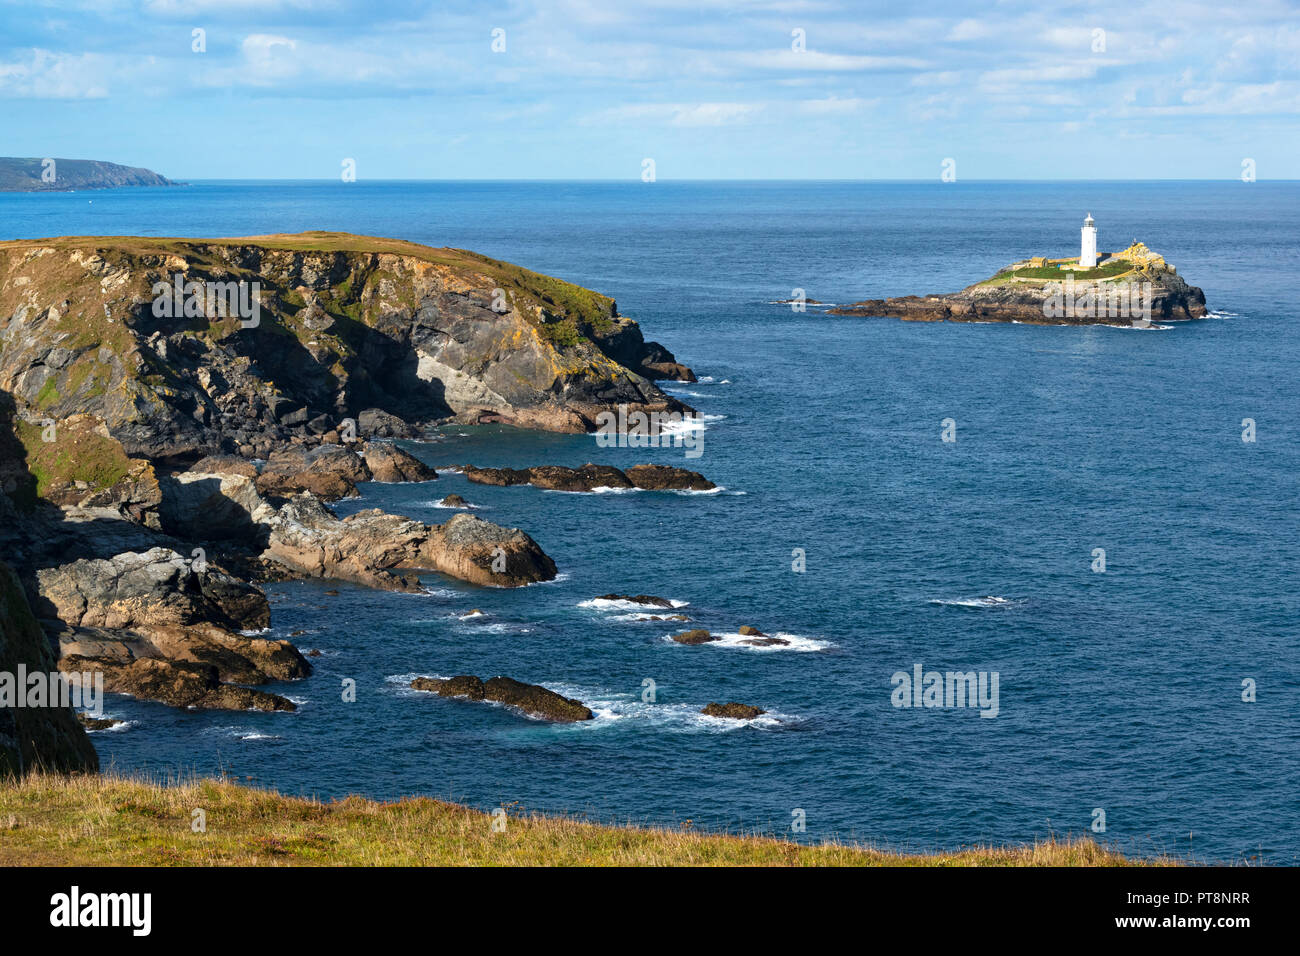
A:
{"x":591,"y":88}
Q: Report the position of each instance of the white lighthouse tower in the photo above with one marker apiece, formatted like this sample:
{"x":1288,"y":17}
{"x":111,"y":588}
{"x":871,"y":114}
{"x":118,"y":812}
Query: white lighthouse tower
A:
{"x":1088,"y":251}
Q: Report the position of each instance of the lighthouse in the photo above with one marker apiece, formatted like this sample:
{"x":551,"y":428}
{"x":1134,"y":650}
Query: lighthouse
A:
{"x":1088,"y":250}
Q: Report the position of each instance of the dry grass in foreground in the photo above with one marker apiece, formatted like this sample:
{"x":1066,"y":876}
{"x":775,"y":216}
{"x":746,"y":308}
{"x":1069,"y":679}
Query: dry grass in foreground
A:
{"x":48,"y":820}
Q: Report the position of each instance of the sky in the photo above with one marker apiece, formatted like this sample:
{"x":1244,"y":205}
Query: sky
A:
{"x":591,"y":89}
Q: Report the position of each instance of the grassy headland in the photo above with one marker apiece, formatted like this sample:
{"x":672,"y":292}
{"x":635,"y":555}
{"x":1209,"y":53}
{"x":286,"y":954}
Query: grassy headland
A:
{"x":50,"y":820}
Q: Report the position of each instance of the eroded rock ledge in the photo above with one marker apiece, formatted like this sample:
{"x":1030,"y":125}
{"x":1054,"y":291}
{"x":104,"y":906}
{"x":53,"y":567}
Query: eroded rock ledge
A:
{"x":532,"y":699}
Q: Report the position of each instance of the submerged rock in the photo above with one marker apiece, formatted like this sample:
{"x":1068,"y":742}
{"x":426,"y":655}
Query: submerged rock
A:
{"x":732,"y":710}
{"x":454,"y":501}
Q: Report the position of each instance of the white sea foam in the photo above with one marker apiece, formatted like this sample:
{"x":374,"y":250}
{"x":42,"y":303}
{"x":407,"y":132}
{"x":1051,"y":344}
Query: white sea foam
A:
{"x":471,"y":615}
{"x":612,"y":710}
{"x":426,"y":591}
{"x":641,"y":618}
{"x":990,"y":601}
{"x":239,"y":733}
{"x":608,"y":604}
{"x":562,"y":576}
{"x":794,"y":643}
{"x":450,"y":470}
{"x":1222,"y":314}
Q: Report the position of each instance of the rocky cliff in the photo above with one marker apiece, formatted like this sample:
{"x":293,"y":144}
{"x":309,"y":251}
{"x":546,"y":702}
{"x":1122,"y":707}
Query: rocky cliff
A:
{"x":317,"y":329}
{"x":62,"y":175}
{"x":33,"y":738}
{"x":175,"y":414}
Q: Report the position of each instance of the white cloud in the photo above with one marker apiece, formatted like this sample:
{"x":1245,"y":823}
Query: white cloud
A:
{"x":676,"y":114}
{"x":43,"y":74}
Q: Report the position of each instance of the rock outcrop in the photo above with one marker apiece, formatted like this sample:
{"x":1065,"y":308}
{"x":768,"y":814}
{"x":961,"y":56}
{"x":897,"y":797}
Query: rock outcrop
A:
{"x":695,"y":636}
{"x":180,"y":684}
{"x":327,"y":471}
{"x":532,"y":699}
{"x":1115,"y":293}
{"x":589,"y":477}
{"x":34,"y":738}
{"x":366,"y":547}
{"x":161,"y":628}
{"x":389,"y":463}
{"x":184,"y":348}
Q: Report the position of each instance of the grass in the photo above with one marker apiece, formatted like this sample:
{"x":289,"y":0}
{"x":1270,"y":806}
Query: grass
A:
{"x":78,"y":453}
{"x":547,"y":291}
{"x":1110,"y":270}
{"x":564,"y":314}
{"x":50,"y":820}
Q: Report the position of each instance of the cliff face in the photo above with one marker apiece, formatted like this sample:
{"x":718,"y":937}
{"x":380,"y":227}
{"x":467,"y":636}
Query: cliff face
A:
{"x":26,"y":175}
{"x":138,"y":377}
{"x":346,"y":327}
{"x":1105,"y":296}
{"x":33,"y":738}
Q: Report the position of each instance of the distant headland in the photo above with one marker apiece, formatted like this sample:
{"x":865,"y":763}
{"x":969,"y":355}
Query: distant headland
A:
{"x":1129,"y":287}
{"x":27,"y":175}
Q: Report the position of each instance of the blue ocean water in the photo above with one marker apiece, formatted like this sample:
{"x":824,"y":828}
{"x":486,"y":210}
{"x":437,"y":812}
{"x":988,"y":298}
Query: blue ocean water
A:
{"x":1119,"y":691}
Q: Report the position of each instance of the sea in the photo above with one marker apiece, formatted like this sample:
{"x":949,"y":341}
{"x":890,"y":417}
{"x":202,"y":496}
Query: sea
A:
{"x":1110,"y":532}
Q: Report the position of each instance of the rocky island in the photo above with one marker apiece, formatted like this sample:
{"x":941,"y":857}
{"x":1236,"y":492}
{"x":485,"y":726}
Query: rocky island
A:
{"x":1132,"y":287}
{"x":176,"y":414}
{"x":29,"y":175}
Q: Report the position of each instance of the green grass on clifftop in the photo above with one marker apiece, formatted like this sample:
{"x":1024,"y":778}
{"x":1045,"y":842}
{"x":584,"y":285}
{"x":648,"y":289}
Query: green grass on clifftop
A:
{"x":549,"y":292}
{"x":103,"y":820}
